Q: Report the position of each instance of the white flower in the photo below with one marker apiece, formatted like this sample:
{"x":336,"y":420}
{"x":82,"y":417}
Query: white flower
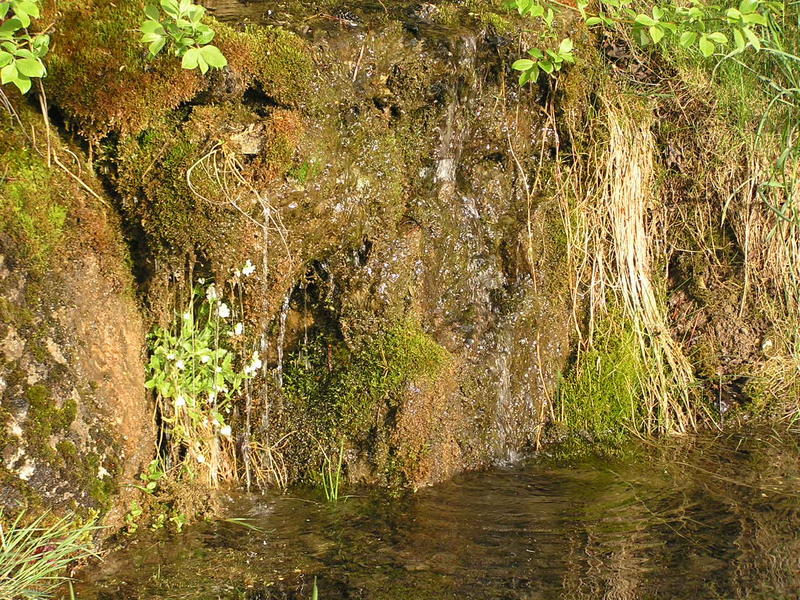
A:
{"x":201,"y":458}
{"x":212,"y":396}
{"x":238,"y":329}
{"x":171,"y":356}
{"x":187,"y":316}
{"x":180,"y":401}
{"x":218,"y":370}
{"x":254,"y":366}
{"x":201,"y":281}
{"x":223,"y":310}
{"x":211,"y":293}
{"x":248,"y":269}
{"x":205,"y":358}
{"x":226,"y":431}
{"x":180,"y":365}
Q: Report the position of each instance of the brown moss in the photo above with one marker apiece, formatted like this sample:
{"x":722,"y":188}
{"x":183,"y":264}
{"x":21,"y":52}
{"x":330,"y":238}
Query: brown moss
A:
{"x":99,"y":75}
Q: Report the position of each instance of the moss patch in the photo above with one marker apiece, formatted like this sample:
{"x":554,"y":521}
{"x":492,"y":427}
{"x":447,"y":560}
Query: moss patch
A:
{"x":600,"y":396}
{"x":347,"y":392}
{"x":31,"y":211}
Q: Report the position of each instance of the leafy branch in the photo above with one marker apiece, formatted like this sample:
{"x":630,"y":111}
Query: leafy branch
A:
{"x":179,"y":25}
{"x":21,"y":53}
{"x":708,"y":27}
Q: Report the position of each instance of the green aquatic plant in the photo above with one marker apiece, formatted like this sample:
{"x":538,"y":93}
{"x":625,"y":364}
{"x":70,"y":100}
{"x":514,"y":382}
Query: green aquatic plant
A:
{"x":331,"y":473}
{"x":34,"y":556}
{"x":180,"y":24}
{"x":21,"y":52}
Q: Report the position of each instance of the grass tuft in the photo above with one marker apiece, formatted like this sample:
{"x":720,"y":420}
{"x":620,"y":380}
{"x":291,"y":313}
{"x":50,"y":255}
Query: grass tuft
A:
{"x":34,"y":557}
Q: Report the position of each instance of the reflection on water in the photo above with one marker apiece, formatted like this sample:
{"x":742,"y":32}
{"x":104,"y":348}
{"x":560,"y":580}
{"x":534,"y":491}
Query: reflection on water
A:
{"x":699,"y":518}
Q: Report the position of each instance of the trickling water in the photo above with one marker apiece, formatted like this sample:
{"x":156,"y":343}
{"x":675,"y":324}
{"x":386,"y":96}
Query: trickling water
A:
{"x":282,"y":338}
{"x":699,"y":518}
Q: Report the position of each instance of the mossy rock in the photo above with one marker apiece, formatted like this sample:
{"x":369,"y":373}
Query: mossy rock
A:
{"x":350,"y":392}
{"x":72,"y":411}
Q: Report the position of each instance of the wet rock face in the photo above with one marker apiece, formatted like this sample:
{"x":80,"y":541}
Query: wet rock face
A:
{"x":448,"y":248}
{"x":74,"y":418}
{"x":385,"y":199}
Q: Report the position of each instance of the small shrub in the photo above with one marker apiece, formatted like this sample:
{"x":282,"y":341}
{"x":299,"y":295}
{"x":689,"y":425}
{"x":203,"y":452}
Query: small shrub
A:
{"x":21,"y":53}
{"x":180,"y":25}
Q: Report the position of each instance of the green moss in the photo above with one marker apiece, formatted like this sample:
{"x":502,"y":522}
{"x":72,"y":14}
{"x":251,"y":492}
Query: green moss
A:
{"x":30,"y":208}
{"x":277,"y":60}
{"x":600,"y":396}
{"x":14,"y":314}
{"x":44,"y":417}
{"x":339,"y":389}
{"x":67,"y":451}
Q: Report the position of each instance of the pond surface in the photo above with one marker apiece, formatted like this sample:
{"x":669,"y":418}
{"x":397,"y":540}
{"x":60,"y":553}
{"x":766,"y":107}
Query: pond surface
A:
{"x":701,"y":517}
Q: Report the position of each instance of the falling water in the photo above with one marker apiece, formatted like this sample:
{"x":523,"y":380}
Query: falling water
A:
{"x":281,"y":338}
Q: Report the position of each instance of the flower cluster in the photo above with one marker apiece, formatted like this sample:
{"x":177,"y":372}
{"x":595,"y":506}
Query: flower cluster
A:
{"x":196,"y":376}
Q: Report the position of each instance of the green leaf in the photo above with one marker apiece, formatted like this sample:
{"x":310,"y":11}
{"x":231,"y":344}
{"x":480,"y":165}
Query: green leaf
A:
{"x":536,"y":10}
{"x":204,"y":37}
{"x":152,"y":12}
{"x":23,"y":18}
{"x":687,"y":39}
{"x":4,"y":6}
{"x":26,"y":6}
{"x":10,"y":27}
{"x":752,"y":37}
{"x":656,"y":33}
{"x":191,"y":59}
{"x":8,"y":73}
{"x":755,"y":18}
{"x":40,"y":45}
{"x":738,"y":38}
{"x":565,"y":47}
{"x":213,"y":56}
{"x":523,"y":64}
{"x":152,"y":27}
{"x":718,"y":37}
{"x":657,"y":13}
{"x":23,"y":84}
{"x":645,"y":20}
{"x":546,"y":66}
{"x":706,"y":46}
{"x":156,"y":46}
{"x":170,"y":7}
{"x":592,"y":21}
{"x":5,"y":58}
{"x":31,"y":67}
{"x":748,"y":6}
{"x":733,"y":15}
{"x":536,"y":53}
